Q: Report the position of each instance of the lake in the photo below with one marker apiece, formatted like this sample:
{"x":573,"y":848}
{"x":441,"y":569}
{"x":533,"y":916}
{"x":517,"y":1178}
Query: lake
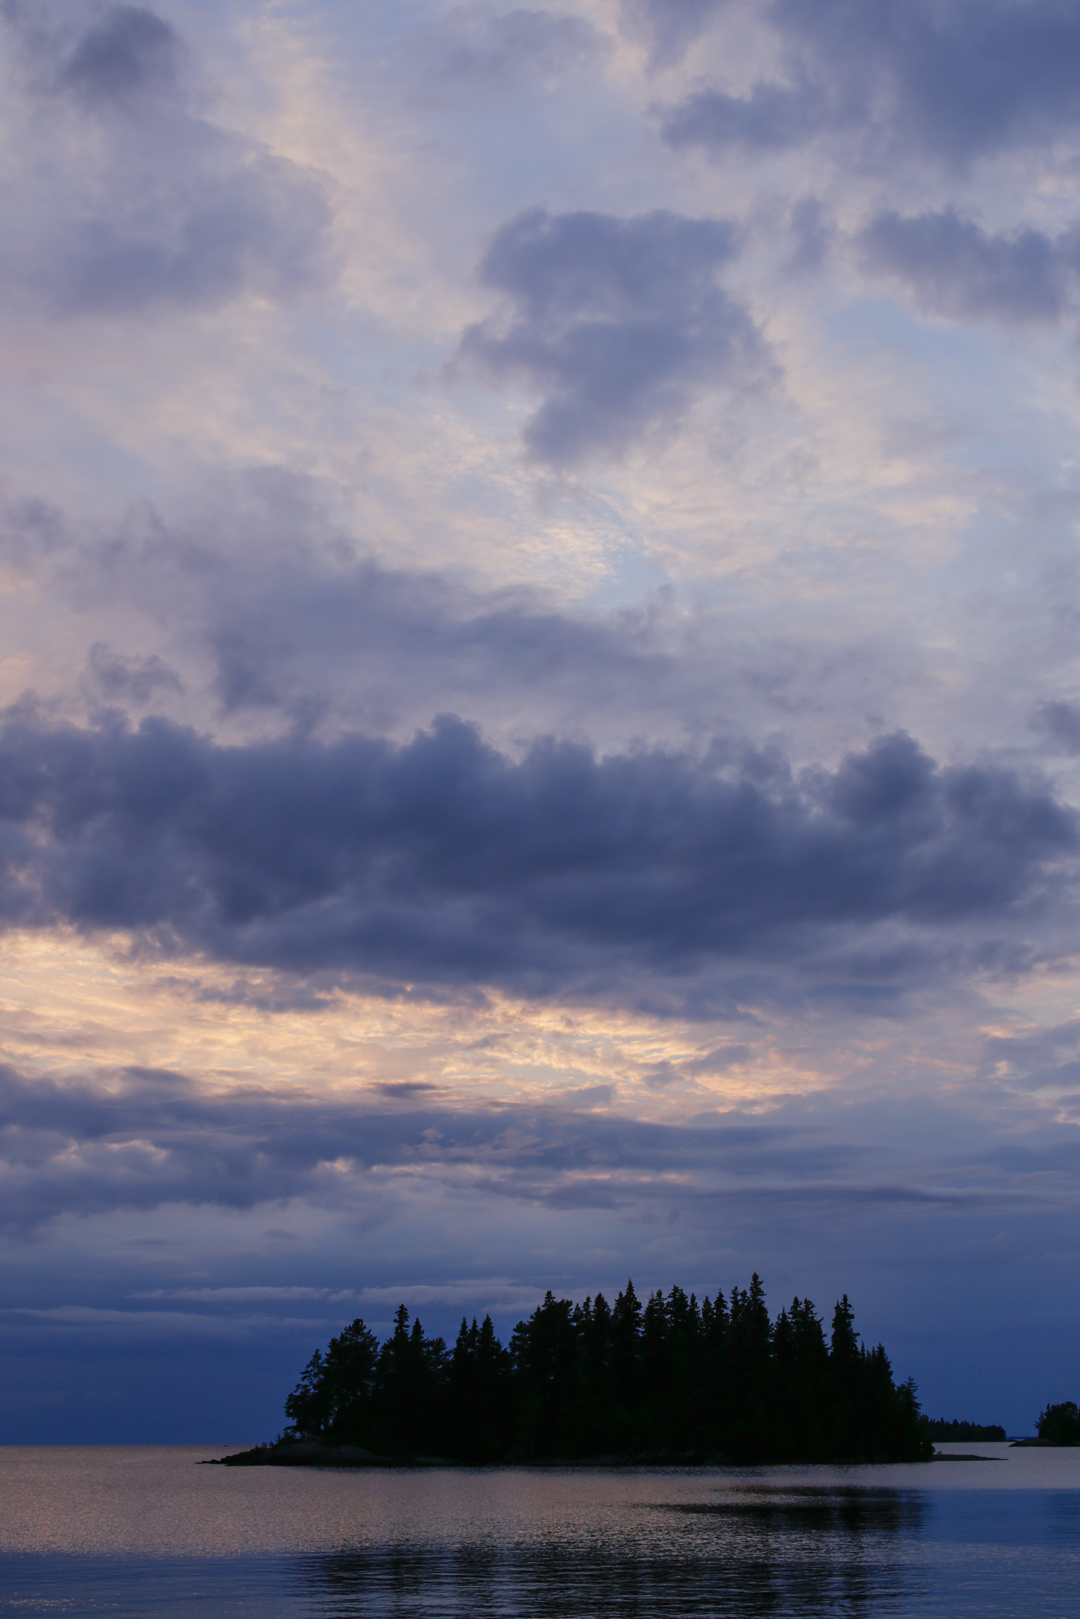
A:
{"x":134,"y":1531}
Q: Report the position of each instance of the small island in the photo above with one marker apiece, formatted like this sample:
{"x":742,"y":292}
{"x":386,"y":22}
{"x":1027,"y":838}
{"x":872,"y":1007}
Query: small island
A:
{"x":1058,"y":1426}
{"x":668,"y":1381}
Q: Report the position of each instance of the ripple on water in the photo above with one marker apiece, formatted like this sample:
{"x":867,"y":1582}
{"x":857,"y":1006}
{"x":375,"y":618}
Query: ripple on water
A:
{"x":132,"y":1532}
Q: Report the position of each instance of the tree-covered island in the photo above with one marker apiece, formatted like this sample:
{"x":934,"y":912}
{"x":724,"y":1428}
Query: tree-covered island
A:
{"x":670,"y":1380}
{"x":1059,"y":1424}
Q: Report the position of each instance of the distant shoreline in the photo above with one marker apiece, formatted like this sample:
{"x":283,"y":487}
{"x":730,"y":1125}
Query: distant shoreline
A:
{"x":310,"y":1453}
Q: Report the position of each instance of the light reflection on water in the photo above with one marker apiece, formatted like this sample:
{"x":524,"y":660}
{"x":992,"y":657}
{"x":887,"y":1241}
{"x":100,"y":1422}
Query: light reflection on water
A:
{"x":132,"y":1533}
{"x":762,"y":1551}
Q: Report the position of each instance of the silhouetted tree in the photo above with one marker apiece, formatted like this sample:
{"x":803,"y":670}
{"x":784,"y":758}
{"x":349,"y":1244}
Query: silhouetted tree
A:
{"x":479,"y":1408}
{"x":1060,"y":1424}
{"x":673,"y":1379}
{"x":333,"y":1398}
{"x":957,"y":1432}
{"x":411,"y":1381}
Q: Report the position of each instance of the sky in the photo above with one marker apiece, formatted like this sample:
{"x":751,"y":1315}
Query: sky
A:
{"x":539,"y":607}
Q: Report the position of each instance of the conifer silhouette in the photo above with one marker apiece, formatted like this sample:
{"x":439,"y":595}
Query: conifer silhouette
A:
{"x":670,"y":1379}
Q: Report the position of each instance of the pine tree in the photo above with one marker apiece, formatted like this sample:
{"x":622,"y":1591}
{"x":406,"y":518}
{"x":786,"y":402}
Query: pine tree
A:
{"x":587,"y":1380}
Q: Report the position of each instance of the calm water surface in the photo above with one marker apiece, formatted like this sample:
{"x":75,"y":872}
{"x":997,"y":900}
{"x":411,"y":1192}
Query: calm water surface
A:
{"x":132,"y":1532}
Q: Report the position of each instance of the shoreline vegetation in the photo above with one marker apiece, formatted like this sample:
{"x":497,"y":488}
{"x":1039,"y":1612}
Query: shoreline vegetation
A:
{"x":1059,"y":1425}
{"x":956,"y":1433}
{"x":667,"y":1382}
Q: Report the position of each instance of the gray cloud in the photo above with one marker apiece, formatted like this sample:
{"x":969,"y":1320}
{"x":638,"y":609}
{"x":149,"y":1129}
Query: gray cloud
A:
{"x":274,"y":613}
{"x":953,"y":81}
{"x":1062,"y":721}
{"x":260,"y":228}
{"x":294,"y":619}
{"x":771,"y":118}
{"x":812,"y":236}
{"x":498,"y":50}
{"x":129,"y":679}
{"x":618,"y":323}
{"x":669,"y":26}
{"x":445,"y":862}
{"x":128,"y":52}
{"x":155,"y":1138}
{"x":1048,"y":1058}
{"x":126,"y":197}
{"x":1042,"y":1063}
{"x":953,"y":268}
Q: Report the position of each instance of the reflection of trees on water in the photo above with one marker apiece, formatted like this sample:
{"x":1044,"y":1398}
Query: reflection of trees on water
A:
{"x":746,"y":1552}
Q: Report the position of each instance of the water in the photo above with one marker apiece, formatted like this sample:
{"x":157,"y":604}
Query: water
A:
{"x":130,"y":1532}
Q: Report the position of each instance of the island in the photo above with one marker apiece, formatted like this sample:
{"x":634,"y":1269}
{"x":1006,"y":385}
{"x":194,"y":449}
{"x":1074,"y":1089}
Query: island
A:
{"x":1058,"y":1425}
{"x":670,"y":1380}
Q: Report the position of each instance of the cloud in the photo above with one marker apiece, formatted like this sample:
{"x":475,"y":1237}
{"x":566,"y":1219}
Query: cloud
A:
{"x":771,"y":118}
{"x":445,"y":862}
{"x":124,"y":197}
{"x":1062,"y":721}
{"x":149,"y":1139}
{"x":119,"y":678}
{"x":275,"y":615}
{"x":812,"y":236}
{"x":953,"y":81}
{"x":153,"y":1138}
{"x":618,"y":323}
{"x":1046,"y":1059}
{"x":669,"y":26}
{"x":246,"y":1295}
{"x":272,"y":609}
{"x":128,"y":52}
{"x":477,"y":47}
{"x":954,"y":269}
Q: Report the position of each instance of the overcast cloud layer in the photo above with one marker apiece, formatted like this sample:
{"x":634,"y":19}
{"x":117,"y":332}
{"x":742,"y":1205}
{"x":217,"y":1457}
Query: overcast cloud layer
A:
{"x":539,"y":705}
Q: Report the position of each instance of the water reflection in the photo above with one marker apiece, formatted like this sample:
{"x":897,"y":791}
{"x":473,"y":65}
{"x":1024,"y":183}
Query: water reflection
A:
{"x":152,"y":1536}
{"x":750,"y":1550}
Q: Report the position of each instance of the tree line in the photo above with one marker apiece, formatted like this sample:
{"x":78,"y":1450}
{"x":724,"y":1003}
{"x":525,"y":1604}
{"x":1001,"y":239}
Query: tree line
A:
{"x":667,"y":1379}
{"x":956,"y":1432}
{"x":1060,"y":1424}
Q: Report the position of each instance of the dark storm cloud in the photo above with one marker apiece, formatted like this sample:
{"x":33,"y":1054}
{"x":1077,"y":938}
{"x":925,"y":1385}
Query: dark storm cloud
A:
{"x":952,"y":79}
{"x":155,"y":1138}
{"x":443,"y":861}
{"x":618,"y":323}
{"x":953,"y":268}
{"x":127,"y":198}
